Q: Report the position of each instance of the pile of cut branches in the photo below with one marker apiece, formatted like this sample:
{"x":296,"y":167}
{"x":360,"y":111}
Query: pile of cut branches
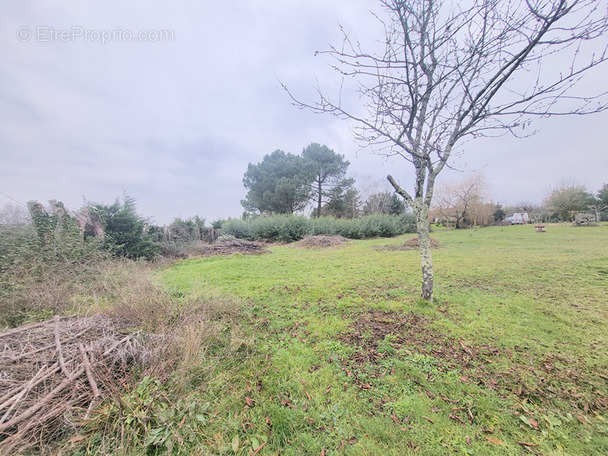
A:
{"x":321,"y":241}
{"x":54,"y":373}
{"x":231,"y":246}
{"x":410,"y":244}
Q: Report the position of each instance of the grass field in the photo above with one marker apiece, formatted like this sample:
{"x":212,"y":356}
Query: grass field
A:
{"x":339,"y":356}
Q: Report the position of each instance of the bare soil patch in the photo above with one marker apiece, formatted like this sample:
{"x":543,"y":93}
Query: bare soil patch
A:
{"x":230,"y":247}
{"x":321,"y":241}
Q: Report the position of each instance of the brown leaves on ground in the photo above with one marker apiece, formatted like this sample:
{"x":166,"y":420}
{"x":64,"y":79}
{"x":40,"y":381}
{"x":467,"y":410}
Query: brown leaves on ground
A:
{"x":321,"y":241}
{"x":230,"y":247}
{"x":413,"y":332}
{"x":540,"y":379}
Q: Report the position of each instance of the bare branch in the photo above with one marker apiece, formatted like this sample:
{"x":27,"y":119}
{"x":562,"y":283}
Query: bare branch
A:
{"x":456,"y":70}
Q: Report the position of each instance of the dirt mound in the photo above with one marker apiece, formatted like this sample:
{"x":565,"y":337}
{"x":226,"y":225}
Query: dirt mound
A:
{"x":413,"y":243}
{"x":320,"y":241}
{"x":231,"y":246}
{"x":410,"y":244}
{"x":58,"y":369}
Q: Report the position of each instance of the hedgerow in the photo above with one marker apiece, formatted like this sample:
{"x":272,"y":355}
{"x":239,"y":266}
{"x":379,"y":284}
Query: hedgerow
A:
{"x":290,"y":228}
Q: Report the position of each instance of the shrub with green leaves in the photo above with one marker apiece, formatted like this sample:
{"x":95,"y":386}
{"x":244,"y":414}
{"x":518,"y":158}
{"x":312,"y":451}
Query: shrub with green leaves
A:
{"x":289,"y":228}
{"x":126,"y":230}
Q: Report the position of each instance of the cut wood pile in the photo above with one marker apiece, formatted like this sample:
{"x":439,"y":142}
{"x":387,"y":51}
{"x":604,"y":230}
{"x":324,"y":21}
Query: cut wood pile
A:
{"x":231,"y":246}
{"x":53,"y":374}
{"x":320,"y":241}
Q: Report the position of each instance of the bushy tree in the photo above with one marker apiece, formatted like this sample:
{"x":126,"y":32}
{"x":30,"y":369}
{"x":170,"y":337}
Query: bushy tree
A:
{"x":398,"y":206}
{"x":566,"y":199}
{"x":602,"y":194}
{"x":599,"y":203}
{"x":343,"y":202}
{"x":279,"y":184}
{"x":125,"y":230}
{"x":499,"y":213}
{"x":329,"y":173}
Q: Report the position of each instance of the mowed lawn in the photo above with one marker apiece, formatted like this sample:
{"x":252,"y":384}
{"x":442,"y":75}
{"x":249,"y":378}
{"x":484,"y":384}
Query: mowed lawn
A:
{"x":341,"y":357}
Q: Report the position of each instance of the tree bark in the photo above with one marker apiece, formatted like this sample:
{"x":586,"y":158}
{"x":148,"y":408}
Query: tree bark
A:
{"x":426,"y":259}
{"x":320,"y":200}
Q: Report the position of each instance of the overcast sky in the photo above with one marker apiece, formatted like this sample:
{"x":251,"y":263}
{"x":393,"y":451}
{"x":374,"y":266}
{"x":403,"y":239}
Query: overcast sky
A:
{"x":174,"y":121}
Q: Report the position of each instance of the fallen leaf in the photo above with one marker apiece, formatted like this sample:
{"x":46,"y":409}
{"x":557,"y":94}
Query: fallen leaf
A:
{"x":581,"y":419}
{"x":495,"y":441}
{"x":250,"y":402}
{"x":259,"y":449}
{"x":465,"y":348}
{"x":528,"y":444}
{"x":533,"y":423}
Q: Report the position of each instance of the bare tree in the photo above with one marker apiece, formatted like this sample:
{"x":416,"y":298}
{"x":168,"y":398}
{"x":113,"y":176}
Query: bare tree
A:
{"x":464,"y":202}
{"x":455,"y":70}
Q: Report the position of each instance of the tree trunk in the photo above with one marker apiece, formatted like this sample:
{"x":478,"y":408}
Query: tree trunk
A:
{"x":320,"y":201}
{"x":426,"y":260}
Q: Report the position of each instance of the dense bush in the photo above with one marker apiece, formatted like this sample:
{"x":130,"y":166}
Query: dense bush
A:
{"x":293,"y":228}
{"x":126,"y":233}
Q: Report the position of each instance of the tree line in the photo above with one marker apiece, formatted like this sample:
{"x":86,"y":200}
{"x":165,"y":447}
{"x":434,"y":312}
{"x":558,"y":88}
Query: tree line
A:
{"x":467,"y":202}
{"x":285,"y":183}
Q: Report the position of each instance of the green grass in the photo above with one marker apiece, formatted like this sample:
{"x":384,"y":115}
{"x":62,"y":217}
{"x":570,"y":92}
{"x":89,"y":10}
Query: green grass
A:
{"x":348,"y":360}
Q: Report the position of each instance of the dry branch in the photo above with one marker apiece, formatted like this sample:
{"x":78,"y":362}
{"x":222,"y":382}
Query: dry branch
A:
{"x":55,"y":368}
